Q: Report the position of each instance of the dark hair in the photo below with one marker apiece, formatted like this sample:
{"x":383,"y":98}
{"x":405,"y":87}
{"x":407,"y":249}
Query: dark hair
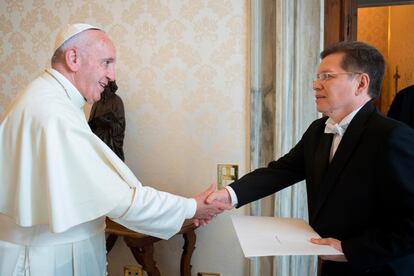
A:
{"x":360,"y":57}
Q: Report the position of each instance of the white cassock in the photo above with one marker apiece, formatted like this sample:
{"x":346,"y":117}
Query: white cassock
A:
{"x":58,"y":181}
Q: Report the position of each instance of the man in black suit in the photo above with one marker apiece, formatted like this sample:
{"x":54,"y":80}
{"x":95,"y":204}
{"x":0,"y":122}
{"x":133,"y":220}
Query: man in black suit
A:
{"x":402,"y":107}
{"x":358,"y":167}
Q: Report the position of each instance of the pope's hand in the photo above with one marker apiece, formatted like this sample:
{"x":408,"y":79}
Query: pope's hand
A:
{"x":216,"y":198}
{"x":221,"y":196}
{"x":207,"y":211}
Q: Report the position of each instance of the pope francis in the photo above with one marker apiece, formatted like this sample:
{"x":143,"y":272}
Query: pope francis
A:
{"x":58,"y":180}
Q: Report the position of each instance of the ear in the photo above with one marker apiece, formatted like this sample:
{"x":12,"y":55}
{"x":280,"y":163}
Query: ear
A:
{"x":363,"y":84}
{"x":72,"y":59}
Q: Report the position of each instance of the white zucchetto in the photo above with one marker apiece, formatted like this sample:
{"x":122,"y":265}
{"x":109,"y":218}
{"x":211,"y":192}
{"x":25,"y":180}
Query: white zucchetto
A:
{"x":69,"y":31}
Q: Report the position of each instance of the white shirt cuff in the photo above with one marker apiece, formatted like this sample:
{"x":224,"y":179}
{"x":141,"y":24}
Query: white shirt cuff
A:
{"x":234,"y":200}
{"x":191,"y":208}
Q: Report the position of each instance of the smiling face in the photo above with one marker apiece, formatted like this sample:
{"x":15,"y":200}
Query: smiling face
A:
{"x":338,"y":96}
{"x":96,"y":67}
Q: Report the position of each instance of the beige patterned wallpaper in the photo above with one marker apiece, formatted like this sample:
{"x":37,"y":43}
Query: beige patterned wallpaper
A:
{"x":181,"y":72}
{"x":180,"y":63}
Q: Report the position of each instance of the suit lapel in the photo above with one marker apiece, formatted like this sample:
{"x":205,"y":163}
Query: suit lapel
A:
{"x":343,"y":154}
{"x":320,"y":167}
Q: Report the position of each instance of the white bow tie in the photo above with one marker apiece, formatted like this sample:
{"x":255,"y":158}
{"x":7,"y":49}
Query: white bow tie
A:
{"x":334,"y":129}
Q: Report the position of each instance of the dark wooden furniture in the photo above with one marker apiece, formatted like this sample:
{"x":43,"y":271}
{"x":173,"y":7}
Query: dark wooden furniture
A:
{"x":142,"y":246}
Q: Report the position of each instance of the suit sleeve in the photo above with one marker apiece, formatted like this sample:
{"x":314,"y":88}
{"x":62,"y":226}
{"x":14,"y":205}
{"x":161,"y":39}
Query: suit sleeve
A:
{"x":392,"y":236}
{"x":395,"y":108}
{"x":279,"y":174}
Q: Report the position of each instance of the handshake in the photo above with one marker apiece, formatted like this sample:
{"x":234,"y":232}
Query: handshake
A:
{"x":210,"y":203}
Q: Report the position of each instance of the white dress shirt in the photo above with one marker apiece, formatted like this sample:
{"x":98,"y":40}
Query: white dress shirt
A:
{"x":338,"y":129}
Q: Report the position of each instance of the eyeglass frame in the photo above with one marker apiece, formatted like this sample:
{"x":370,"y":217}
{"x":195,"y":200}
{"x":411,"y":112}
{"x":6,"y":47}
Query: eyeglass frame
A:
{"x":332,"y":75}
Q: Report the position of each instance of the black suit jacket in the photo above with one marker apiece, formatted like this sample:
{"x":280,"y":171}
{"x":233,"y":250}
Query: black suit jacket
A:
{"x":402,"y":107}
{"x":364,"y":197}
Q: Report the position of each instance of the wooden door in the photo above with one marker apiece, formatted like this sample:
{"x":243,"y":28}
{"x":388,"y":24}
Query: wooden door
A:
{"x":340,"y":21}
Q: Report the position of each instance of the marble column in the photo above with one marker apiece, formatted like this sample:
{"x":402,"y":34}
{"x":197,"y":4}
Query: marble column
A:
{"x":286,"y":38}
{"x":262,"y":106}
{"x":299,"y":40}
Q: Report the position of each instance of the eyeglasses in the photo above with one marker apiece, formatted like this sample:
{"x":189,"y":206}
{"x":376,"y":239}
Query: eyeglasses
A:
{"x":330,"y":75}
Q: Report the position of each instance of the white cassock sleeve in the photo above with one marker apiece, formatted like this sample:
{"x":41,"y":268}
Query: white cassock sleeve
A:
{"x":153,"y":212}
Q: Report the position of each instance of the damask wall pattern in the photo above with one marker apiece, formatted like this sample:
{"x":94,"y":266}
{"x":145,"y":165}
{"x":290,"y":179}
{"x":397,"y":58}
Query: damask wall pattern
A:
{"x":181,"y":72}
{"x":174,"y":57}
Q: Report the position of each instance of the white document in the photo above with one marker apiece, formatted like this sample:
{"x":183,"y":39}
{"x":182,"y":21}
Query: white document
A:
{"x":271,"y":236}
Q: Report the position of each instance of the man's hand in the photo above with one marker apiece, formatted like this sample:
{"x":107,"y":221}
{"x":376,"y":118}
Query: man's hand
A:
{"x":333,"y":243}
{"x":222,"y":196}
{"x":206,"y":211}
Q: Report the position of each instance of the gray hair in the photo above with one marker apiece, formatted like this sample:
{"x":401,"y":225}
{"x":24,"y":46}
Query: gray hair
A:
{"x":80,"y":40}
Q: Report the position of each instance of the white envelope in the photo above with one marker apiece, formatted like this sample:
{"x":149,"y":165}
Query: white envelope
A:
{"x":272,"y":236}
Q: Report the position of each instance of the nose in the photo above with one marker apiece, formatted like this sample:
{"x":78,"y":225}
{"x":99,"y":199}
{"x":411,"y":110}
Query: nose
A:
{"x":316,"y":85}
{"x":110,"y":74}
